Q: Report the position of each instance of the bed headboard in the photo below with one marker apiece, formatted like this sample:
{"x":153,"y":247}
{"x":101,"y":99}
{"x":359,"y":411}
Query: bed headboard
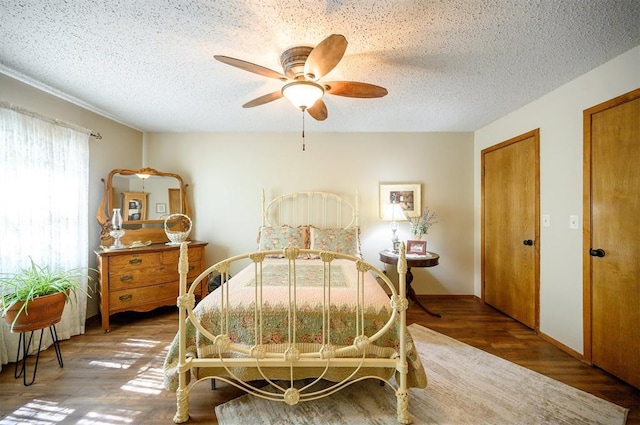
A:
{"x":320,"y":209}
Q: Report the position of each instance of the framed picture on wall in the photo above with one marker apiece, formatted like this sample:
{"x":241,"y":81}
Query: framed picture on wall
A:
{"x":161,"y":208}
{"x":408,"y":195}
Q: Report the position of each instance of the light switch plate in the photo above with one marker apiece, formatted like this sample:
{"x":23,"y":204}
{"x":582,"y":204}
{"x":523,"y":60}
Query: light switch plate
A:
{"x":546,"y":220}
{"x":574,"y":222}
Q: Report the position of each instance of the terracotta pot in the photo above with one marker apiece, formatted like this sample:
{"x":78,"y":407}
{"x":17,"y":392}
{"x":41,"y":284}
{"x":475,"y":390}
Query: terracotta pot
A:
{"x":42,"y":312}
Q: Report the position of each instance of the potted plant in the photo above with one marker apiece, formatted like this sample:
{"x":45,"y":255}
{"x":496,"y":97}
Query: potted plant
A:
{"x":34,"y":297}
{"x":420,"y":225}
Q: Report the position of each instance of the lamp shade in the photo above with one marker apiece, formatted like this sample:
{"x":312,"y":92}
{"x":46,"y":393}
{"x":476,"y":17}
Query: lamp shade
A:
{"x":303,"y":94}
{"x":393,"y":212}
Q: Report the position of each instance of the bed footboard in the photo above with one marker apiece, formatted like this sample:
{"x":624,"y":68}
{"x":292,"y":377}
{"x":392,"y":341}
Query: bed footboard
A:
{"x":344,"y":346}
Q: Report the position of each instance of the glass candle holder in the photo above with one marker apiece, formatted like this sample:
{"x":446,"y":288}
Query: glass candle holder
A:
{"x":116,"y":225}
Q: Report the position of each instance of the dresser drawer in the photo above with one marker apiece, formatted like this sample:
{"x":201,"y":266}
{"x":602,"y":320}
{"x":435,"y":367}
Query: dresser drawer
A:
{"x":139,"y":277}
{"x":194,"y":254}
{"x":131,"y":298}
{"x":132,"y":261}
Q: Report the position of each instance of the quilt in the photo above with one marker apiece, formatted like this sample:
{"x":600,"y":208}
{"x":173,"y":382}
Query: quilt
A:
{"x":274,"y":292}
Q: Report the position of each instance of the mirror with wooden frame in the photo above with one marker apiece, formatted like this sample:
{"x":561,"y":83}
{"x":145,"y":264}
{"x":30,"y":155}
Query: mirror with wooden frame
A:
{"x":145,"y":197}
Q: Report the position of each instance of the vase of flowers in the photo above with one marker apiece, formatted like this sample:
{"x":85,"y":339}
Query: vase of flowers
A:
{"x":420,"y":225}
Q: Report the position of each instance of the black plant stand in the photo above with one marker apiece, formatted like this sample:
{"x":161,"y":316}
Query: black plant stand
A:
{"x":22,"y":343}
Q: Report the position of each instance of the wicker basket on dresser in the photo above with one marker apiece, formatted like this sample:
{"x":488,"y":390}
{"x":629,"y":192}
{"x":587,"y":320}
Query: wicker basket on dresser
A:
{"x":141,"y":279}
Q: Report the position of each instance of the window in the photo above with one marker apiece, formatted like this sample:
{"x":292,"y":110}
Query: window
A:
{"x":44,"y":203}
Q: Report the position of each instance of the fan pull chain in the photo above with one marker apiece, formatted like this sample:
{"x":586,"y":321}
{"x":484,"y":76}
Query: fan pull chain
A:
{"x":303,"y":144}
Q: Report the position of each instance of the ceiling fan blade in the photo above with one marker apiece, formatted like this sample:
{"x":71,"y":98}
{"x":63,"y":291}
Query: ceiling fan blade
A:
{"x":263,"y":99}
{"x":354,"y":89}
{"x":318,"y":110}
{"x":251,"y":67}
{"x":325,"y":56}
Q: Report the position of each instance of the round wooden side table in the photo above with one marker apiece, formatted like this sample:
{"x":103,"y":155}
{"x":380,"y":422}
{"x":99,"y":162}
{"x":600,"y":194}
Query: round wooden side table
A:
{"x":430,"y":259}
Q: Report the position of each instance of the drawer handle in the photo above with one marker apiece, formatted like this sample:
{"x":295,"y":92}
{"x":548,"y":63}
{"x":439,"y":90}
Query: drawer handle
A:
{"x":135,"y":261}
{"x":126,"y":278}
{"x":191,"y":267}
{"x":125,"y":297}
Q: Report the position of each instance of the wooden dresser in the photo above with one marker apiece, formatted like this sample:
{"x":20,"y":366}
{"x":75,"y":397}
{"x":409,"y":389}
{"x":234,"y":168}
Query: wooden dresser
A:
{"x":141,"y":279}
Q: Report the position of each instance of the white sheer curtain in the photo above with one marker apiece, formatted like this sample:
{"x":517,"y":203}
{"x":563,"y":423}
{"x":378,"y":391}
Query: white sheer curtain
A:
{"x":43,"y":207}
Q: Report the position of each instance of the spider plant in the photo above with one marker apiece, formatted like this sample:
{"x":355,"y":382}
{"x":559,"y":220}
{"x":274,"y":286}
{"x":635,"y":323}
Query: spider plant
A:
{"x":36,"y":281}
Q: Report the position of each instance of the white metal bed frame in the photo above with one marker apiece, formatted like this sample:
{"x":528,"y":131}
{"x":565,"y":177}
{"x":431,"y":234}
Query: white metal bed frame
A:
{"x":304,"y":205}
{"x":260,"y":358}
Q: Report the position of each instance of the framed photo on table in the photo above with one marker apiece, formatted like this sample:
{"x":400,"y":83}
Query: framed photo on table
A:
{"x":396,"y":246}
{"x":417,"y":247}
{"x":408,"y":195}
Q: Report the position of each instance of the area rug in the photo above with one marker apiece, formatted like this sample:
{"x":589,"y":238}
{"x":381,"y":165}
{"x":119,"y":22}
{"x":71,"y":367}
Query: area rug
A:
{"x":466,"y":386}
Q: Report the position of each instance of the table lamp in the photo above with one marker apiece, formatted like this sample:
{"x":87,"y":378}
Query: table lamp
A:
{"x":393,"y":212}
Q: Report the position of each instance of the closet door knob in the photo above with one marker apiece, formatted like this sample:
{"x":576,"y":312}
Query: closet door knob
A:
{"x":597,"y":252}
{"x":528,"y":242}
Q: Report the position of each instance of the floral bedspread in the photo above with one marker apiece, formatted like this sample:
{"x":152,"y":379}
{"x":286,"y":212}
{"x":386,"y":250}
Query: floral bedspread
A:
{"x":275,"y":329}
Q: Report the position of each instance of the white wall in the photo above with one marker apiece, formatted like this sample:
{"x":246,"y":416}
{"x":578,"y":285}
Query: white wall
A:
{"x":559,"y":117}
{"x":226,"y":173}
{"x":120,"y":147}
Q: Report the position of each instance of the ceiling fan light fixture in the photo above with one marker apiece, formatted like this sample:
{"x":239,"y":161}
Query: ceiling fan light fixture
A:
{"x":302,"y":67}
{"x":303,"y":94}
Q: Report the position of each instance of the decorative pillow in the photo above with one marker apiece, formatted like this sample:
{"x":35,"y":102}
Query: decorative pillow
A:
{"x":281,"y":237}
{"x":344,"y":241}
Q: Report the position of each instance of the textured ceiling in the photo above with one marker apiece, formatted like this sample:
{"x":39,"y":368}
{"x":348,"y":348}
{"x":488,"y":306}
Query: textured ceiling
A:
{"x":448,"y":65}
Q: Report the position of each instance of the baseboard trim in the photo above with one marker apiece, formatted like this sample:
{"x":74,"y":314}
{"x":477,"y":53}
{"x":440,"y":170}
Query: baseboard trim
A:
{"x":558,"y":344}
{"x":446,"y":296}
{"x":573,"y":353}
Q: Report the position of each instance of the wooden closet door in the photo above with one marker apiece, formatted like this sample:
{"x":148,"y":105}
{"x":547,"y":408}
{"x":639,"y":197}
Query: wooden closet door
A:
{"x":612,"y":237}
{"x":510,"y":228}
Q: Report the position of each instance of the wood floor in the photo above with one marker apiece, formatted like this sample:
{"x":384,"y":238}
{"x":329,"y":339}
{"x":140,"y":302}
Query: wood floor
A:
{"x":116,"y":378}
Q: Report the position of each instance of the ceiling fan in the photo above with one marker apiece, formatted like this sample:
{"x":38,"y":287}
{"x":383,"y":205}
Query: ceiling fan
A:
{"x":303,"y":66}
